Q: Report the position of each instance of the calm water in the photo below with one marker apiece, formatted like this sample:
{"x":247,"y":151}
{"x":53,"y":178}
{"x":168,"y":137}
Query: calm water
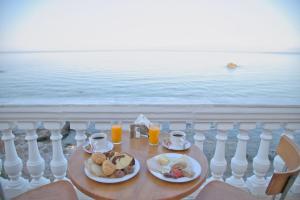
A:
{"x":149,"y":77}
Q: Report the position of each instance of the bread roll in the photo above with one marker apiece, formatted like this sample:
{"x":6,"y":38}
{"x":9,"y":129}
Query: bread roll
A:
{"x":108,"y":168}
{"x":98,"y":158}
{"x":96,"y":170}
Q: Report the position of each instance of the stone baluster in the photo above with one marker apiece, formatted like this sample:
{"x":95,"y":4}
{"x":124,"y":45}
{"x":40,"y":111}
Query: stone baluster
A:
{"x":2,"y":180}
{"x":218,"y":162}
{"x":103,"y":126}
{"x":189,"y":128}
{"x":278,"y":163}
{"x":80,"y":128}
{"x":35,"y":163}
{"x":239,"y":161}
{"x":199,"y":137}
{"x":0,"y":169}
{"x":257,"y":183}
{"x":177,"y":126}
{"x":91,"y":128}
{"x":58,"y":164}
{"x":12,"y":165}
{"x":125,"y":125}
{"x":165,"y":126}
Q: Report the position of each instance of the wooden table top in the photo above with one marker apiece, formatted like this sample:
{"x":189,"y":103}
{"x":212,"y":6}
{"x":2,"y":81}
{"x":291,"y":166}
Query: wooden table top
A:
{"x":144,"y":185}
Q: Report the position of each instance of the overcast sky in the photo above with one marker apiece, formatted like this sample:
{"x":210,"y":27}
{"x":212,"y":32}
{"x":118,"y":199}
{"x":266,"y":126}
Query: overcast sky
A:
{"x":248,"y":25}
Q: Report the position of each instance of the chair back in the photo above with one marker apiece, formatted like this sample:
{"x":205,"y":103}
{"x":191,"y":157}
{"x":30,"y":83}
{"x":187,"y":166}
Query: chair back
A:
{"x":62,"y":190}
{"x":282,"y":181}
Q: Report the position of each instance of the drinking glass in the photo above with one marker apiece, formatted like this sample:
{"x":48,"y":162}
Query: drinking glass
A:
{"x":116,"y":132}
{"x":154,"y":131}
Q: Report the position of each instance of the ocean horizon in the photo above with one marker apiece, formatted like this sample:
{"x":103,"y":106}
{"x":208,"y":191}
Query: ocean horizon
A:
{"x":149,"y":77}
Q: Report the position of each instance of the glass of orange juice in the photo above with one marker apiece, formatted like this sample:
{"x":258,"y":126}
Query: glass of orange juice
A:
{"x":116,"y":132}
{"x":154,"y":131}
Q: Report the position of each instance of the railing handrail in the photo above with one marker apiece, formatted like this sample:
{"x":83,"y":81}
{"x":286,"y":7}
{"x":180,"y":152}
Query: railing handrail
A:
{"x":159,"y":112}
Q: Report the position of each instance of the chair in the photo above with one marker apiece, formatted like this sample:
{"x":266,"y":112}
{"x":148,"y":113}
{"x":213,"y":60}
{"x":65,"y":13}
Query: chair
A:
{"x":282,"y":181}
{"x":279,"y":183}
{"x":62,"y":190}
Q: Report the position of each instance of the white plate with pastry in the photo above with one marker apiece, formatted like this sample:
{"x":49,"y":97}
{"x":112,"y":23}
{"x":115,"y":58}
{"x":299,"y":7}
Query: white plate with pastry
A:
{"x":111,"y":167}
{"x":173,"y":167}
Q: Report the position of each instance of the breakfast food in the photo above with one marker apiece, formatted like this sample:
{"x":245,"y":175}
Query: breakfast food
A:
{"x":96,"y":169}
{"x":162,"y":160}
{"x":171,"y":167}
{"x":108,"y":168}
{"x":122,"y":161}
{"x":98,"y":158}
{"x":111,"y":164}
{"x":181,"y":163}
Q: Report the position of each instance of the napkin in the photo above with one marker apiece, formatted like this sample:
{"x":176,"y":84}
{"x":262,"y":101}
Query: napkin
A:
{"x":140,"y":126}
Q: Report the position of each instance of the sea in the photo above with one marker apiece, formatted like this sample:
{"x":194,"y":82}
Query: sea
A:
{"x":149,"y":77}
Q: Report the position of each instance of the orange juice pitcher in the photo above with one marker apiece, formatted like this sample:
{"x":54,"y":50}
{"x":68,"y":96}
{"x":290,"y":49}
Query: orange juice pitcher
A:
{"x":116,"y":133}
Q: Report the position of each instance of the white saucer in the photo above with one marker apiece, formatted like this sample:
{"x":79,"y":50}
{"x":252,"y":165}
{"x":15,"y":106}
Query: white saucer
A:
{"x":186,"y":146}
{"x":109,"y":147}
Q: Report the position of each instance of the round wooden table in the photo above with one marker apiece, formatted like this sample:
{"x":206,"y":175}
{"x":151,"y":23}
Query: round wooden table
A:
{"x":144,"y":185}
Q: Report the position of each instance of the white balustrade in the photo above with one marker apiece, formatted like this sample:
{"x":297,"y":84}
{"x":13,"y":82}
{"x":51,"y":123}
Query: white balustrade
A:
{"x":199,"y":137}
{"x":13,"y":166}
{"x":239,"y":161}
{"x":58,"y":164}
{"x":218,"y":163}
{"x":35,"y":163}
{"x":257,"y":183}
{"x":80,"y":128}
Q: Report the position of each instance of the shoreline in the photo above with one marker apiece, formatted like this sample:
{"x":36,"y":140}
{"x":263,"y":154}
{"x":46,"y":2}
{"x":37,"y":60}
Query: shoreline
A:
{"x":151,"y":101}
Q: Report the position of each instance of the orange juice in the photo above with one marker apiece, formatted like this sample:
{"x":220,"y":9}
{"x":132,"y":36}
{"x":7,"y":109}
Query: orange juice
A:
{"x":116,"y":134}
{"x":154,"y":132}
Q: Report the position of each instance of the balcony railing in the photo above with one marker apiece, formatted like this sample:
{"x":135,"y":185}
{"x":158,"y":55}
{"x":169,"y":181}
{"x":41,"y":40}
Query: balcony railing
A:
{"x":199,"y":121}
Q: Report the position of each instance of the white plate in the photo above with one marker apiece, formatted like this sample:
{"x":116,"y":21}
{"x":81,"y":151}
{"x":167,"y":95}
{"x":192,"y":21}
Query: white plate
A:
{"x":109,"y":147}
{"x":114,"y":180}
{"x":186,"y":146}
{"x":195,"y":164}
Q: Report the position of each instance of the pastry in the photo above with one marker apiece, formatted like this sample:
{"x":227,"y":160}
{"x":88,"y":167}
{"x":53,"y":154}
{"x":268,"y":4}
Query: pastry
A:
{"x":96,"y":169}
{"x":98,"y":158}
{"x":109,"y":154}
{"x":123,"y":160}
{"x":108,"y":168}
{"x":114,"y":155}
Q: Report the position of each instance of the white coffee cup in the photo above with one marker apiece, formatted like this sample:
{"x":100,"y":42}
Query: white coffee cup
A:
{"x":99,"y":142}
{"x":177,"y":138}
